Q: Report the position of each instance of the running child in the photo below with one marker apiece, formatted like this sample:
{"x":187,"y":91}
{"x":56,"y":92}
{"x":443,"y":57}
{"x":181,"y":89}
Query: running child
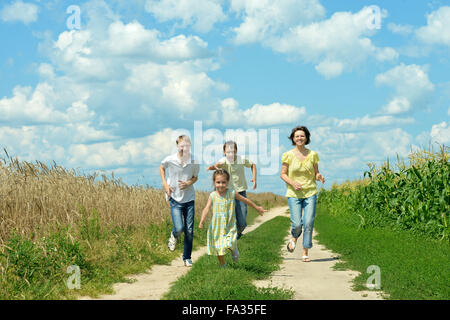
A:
{"x":222,"y":233}
{"x":182,"y":172}
{"x":235,"y":166}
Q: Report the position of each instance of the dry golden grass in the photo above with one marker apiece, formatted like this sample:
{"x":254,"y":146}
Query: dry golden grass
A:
{"x":37,"y":199}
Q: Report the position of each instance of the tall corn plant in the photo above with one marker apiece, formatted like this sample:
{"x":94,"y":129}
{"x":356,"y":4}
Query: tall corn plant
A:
{"x":415,"y":197}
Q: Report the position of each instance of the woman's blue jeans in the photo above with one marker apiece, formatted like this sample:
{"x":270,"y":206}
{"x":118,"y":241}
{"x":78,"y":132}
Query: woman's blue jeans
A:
{"x":186,"y":212}
{"x":303,"y":212}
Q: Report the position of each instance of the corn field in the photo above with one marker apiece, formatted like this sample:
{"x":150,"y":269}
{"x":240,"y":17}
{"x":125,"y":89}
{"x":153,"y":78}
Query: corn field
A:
{"x":414,"y":196}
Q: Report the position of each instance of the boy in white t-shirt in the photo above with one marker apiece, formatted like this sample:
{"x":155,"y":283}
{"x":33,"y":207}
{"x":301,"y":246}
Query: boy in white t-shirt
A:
{"x":182,"y":173}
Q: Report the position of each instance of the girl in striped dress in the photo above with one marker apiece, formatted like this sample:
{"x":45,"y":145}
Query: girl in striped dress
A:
{"x":222,"y":231}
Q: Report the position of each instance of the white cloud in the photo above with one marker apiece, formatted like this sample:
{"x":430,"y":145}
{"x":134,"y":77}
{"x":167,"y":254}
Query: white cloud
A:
{"x":345,"y":163}
{"x":338,"y":44}
{"x":397,"y":105}
{"x":135,"y":40}
{"x":344,"y":154}
{"x":85,"y":54}
{"x":440,"y":133}
{"x":273,"y":114}
{"x":201,"y":14}
{"x":260,"y":115}
{"x":264,"y":19}
{"x":401,"y":29}
{"x":330,"y":69}
{"x":170,"y":73}
{"x":129,"y":152}
{"x":19,"y":11}
{"x":31,"y":106}
{"x":371,"y":122}
{"x":437,"y":30}
{"x":413,"y":88}
{"x":176,"y":85}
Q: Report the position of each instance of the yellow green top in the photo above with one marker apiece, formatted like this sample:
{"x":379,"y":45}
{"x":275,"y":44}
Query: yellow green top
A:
{"x":238,"y":182}
{"x":302,"y":172}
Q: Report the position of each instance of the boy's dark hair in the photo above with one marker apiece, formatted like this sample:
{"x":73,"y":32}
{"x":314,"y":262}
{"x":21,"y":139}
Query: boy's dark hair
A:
{"x":300,"y":128}
{"x":229,"y":143}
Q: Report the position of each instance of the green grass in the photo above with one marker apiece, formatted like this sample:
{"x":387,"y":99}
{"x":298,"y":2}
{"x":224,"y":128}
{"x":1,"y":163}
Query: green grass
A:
{"x":37,"y":269}
{"x":260,"y":256}
{"x":412,"y":266}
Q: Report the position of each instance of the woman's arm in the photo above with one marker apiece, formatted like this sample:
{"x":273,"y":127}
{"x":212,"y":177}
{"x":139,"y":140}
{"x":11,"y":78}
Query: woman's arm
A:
{"x":205,"y":212}
{"x":285,"y":178}
{"x":318,"y":175}
{"x":249,"y":202}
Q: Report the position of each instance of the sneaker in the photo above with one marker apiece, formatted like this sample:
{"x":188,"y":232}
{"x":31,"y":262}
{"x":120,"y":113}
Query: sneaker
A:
{"x":235,"y":254}
{"x":172,"y":242}
{"x":223,"y":266}
{"x":188,"y":263}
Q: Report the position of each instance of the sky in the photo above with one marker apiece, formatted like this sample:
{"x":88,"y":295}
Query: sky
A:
{"x":107,"y":86}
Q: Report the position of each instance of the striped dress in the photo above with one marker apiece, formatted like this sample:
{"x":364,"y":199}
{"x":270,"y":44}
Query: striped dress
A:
{"x":222,"y":231}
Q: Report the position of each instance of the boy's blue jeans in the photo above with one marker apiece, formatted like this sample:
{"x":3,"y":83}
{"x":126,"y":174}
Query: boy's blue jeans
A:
{"x":186,"y":212}
{"x":241,"y":214}
{"x":303,"y":212}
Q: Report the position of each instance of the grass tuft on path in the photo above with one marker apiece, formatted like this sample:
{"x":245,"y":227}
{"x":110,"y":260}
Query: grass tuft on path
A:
{"x":260,"y":256}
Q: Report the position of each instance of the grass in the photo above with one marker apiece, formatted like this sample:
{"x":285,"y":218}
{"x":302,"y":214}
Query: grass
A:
{"x":412,"y":266}
{"x":52,"y":218}
{"x":259,"y":258}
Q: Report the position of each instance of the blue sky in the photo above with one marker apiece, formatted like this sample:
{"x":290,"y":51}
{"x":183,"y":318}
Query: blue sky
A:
{"x":368,"y":78}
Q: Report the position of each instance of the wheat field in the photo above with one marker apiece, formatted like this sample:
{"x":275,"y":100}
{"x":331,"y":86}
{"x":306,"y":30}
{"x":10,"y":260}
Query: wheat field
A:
{"x":37,"y":198}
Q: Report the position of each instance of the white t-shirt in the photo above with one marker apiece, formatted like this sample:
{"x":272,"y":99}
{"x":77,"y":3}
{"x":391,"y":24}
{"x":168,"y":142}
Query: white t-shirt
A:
{"x":176,"y":171}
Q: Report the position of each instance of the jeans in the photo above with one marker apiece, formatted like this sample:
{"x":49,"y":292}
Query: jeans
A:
{"x":241,"y":214}
{"x":303,"y":212}
{"x":186,"y":211}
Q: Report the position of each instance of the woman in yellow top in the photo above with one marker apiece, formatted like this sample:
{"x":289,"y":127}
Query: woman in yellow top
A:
{"x":300,"y":170}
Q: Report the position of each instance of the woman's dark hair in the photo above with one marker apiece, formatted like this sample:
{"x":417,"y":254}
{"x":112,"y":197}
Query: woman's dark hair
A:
{"x":230,"y":143}
{"x":300,"y":128}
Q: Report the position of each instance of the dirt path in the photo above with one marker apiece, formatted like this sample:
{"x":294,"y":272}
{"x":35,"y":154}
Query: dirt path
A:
{"x":314,"y":280}
{"x":157,"y":281}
